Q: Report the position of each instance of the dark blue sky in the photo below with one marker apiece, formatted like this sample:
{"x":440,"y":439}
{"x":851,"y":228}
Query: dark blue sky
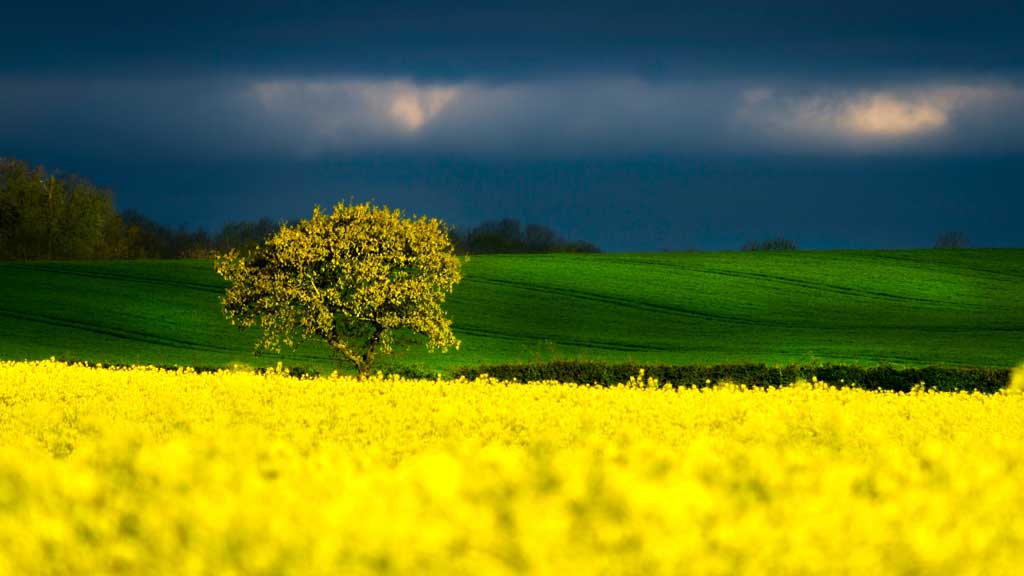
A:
{"x":638,"y":126}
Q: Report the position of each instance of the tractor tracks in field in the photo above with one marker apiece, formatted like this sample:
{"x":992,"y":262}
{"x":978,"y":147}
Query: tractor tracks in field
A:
{"x":999,"y":274}
{"x":113,"y":332}
{"x":119,"y":277}
{"x":620,"y":301}
{"x":802,"y":284}
{"x":852,"y":323}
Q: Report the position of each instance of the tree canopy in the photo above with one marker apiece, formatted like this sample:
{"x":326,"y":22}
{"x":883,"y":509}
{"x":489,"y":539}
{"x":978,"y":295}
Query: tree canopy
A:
{"x":352,"y":278}
{"x":46,"y":217}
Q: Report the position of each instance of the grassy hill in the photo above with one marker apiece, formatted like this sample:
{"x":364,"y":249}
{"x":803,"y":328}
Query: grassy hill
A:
{"x":958,"y":308}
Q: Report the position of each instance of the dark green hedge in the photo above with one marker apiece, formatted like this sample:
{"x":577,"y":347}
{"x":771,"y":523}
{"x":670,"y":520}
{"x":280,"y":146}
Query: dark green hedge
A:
{"x":603,"y":374}
{"x":875,"y":378}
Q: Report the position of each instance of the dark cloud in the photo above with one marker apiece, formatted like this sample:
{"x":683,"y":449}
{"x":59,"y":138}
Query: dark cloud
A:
{"x":457,"y":40}
{"x":636,"y":126}
{"x":123,"y":116}
{"x":312,"y":79}
{"x":601,"y":116}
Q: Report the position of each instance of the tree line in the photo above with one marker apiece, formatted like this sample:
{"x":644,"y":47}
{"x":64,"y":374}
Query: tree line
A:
{"x":50,"y":216}
{"x":46,"y":216}
{"x":43,"y":216}
{"x":771,"y":245}
{"x":509,"y":236}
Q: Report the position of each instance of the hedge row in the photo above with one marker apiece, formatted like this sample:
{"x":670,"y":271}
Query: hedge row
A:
{"x":874,"y":378}
{"x":937,"y":378}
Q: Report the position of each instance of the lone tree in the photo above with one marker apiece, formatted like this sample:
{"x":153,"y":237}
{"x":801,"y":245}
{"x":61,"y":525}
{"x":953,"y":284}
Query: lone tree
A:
{"x":951,"y":241}
{"x":351,"y":278}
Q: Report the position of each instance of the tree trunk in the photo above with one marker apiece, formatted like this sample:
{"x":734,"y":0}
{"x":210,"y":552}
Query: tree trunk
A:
{"x":364,"y":362}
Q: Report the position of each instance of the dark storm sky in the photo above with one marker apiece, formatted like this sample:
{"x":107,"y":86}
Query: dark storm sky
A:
{"x":638,"y":126}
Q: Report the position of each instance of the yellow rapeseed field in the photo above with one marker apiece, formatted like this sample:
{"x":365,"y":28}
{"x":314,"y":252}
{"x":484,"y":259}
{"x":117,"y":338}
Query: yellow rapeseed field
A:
{"x":140,"y":471}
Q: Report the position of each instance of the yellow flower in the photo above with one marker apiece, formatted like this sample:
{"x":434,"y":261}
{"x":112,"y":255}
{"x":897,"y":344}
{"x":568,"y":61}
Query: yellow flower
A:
{"x":144,"y":471}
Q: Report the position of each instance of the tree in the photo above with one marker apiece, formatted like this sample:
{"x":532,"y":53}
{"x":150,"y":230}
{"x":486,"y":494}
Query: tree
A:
{"x":351,"y":278}
{"x":507,"y":236}
{"x":503,"y":236}
{"x":45,"y":216}
{"x":244,"y":236}
{"x":541,"y":239}
{"x":951,"y":241}
{"x":772,"y":245}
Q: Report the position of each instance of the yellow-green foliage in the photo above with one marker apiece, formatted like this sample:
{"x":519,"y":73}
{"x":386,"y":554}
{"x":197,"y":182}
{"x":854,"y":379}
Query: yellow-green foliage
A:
{"x":138,"y":471}
{"x":350,"y":278}
{"x":1016,"y":385}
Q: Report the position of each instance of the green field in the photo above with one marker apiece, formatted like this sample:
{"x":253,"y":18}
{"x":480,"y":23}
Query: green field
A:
{"x":905,"y":308}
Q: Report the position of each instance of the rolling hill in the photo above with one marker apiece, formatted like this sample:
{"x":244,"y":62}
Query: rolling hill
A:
{"x":906,"y":308}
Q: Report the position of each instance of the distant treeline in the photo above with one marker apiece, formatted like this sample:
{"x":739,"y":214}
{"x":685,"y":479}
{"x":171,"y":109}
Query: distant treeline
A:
{"x":509,"y":236}
{"x":772,"y":245}
{"x":153,"y":240}
{"x":952,"y":240}
{"x":48,"y":217}
{"x":44,"y":216}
